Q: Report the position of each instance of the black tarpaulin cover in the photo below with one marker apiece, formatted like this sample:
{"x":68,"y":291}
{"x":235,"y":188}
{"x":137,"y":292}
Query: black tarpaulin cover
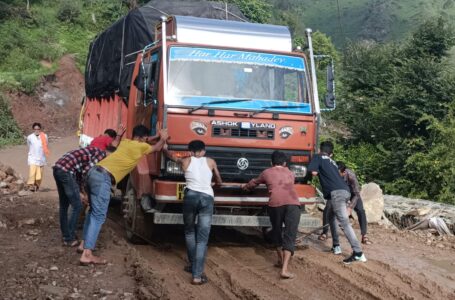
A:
{"x":109,"y":68}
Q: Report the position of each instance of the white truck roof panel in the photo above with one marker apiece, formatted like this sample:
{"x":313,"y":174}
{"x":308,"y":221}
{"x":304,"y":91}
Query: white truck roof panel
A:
{"x":234,"y":34}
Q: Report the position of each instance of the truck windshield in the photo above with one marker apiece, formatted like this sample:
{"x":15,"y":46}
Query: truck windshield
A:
{"x":201,"y":75}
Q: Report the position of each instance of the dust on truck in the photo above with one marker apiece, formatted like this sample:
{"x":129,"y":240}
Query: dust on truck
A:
{"x":237,"y":86}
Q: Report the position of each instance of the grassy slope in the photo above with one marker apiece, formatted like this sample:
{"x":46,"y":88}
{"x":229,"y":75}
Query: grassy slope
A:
{"x":27,"y":42}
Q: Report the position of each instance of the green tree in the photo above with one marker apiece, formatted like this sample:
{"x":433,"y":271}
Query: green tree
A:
{"x":392,"y":94}
{"x":255,"y":10}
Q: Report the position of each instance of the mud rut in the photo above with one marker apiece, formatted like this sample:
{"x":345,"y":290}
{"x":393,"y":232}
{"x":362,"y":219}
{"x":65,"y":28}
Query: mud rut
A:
{"x":240,"y":266}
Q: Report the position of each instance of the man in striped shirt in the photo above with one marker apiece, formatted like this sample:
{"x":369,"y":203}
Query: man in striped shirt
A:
{"x":69,"y":174}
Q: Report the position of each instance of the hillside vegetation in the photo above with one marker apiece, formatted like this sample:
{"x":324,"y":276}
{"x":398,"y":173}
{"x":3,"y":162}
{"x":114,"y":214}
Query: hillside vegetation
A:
{"x":378,"y":20}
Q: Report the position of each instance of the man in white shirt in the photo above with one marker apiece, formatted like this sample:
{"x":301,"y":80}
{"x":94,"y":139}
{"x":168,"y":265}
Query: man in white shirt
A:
{"x":37,"y":151}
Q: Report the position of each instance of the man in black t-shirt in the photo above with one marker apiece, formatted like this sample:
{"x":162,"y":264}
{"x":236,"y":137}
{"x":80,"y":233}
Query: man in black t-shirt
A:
{"x":337,"y":193}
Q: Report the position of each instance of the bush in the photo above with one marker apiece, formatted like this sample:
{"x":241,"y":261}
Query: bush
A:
{"x":5,"y":11}
{"x":9,"y":131}
{"x":69,"y":11}
{"x":27,"y":82}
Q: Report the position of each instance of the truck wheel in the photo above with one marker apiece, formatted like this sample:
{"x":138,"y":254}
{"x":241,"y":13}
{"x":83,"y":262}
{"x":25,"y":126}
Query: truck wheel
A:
{"x":138,"y":225}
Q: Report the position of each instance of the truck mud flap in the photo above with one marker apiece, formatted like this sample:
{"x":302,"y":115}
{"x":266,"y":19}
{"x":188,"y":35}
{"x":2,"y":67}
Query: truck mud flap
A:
{"x":306,"y":221}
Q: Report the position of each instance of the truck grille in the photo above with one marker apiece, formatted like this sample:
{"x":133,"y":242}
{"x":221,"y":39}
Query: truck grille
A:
{"x":227,"y":164}
{"x":227,"y":161}
{"x":258,"y":161}
{"x":243,"y":133}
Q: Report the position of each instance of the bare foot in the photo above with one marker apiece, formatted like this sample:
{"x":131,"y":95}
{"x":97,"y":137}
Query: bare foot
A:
{"x":287,"y":275}
{"x":87,"y":258}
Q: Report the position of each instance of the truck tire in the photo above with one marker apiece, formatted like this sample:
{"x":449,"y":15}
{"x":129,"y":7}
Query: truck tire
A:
{"x":138,"y":224}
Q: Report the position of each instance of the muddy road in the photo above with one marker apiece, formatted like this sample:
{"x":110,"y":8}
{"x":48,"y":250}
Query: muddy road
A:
{"x":35,"y":265}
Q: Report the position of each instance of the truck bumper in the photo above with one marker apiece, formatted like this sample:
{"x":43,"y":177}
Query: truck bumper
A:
{"x":229,"y":194}
{"x":306,"y":220}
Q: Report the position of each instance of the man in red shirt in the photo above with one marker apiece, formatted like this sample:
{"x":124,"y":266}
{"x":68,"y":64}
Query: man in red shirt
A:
{"x":283,"y":207}
{"x":109,"y":138}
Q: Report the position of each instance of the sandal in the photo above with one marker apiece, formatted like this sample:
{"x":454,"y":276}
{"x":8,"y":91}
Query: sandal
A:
{"x":71,"y":244}
{"x":366,"y":240}
{"x":287,"y":276}
{"x":322,"y":237}
{"x":201,"y":281}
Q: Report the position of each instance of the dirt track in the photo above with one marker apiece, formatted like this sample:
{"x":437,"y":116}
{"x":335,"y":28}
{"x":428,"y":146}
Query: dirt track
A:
{"x":239,"y":264}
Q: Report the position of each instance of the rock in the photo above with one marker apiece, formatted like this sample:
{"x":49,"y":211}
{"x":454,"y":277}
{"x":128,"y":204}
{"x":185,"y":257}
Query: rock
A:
{"x":3,"y":225}
{"x":30,"y":221}
{"x":396,"y":208}
{"x":75,"y":296}
{"x":105,"y":292}
{"x":9,"y":171}
{"x":3,"y":175}
{"x":98,"y":273}
{"x":373,"y":202}
{"x":386,"y":223}
{"x":3,"y":185}
{"x":24,"y":193}
{"x":420,"y":211}
{"x":33,"y":232}
{"x":53,"y":268}
{"x":54,"y":290}
{"x":19,"y":184}
{"x":41,"y":270}
{"x":440,"y":246}
{"x":9,"y":179}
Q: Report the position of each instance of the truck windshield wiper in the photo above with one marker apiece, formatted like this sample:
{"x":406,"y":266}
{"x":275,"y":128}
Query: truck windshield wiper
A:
{"x":265,"y":108}
{"x":203,"y":105}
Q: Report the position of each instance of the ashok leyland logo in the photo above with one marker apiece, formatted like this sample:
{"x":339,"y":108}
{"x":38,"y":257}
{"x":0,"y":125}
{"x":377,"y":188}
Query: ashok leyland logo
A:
{"x":242,"y":163}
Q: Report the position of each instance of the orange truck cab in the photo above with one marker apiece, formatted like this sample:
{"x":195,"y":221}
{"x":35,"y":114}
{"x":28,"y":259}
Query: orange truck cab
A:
{"x":237,"y":86}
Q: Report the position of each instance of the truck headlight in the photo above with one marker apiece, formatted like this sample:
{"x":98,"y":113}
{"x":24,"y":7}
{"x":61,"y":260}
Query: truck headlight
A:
{"x":298,"y":170}
{"x":173,"y":168}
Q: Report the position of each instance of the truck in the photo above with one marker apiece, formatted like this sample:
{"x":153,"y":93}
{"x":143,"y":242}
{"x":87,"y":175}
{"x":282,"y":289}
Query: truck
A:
{"x":239,"y":87}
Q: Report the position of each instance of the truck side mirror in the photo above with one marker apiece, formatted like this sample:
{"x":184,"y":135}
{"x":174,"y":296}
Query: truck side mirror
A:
{"x":329,"y":99}
{"x":144,"y":81}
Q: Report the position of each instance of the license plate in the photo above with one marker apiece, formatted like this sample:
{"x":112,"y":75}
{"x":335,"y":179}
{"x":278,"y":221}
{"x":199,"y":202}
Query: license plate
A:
{"x":180,"y":189}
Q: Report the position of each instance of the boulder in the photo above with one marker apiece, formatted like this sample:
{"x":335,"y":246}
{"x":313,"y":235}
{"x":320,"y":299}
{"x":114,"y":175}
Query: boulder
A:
{"x":405,"y":212}
{"x":373,"y":201}
{"x":3,"y":175}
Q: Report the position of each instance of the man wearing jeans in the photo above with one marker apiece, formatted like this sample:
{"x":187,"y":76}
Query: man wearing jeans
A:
{"x":337,"y":193}
{"x":197,"y":202}
{"x":69,"y":171}
{"x":355,"y":202}
{"x":108,"y":172}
